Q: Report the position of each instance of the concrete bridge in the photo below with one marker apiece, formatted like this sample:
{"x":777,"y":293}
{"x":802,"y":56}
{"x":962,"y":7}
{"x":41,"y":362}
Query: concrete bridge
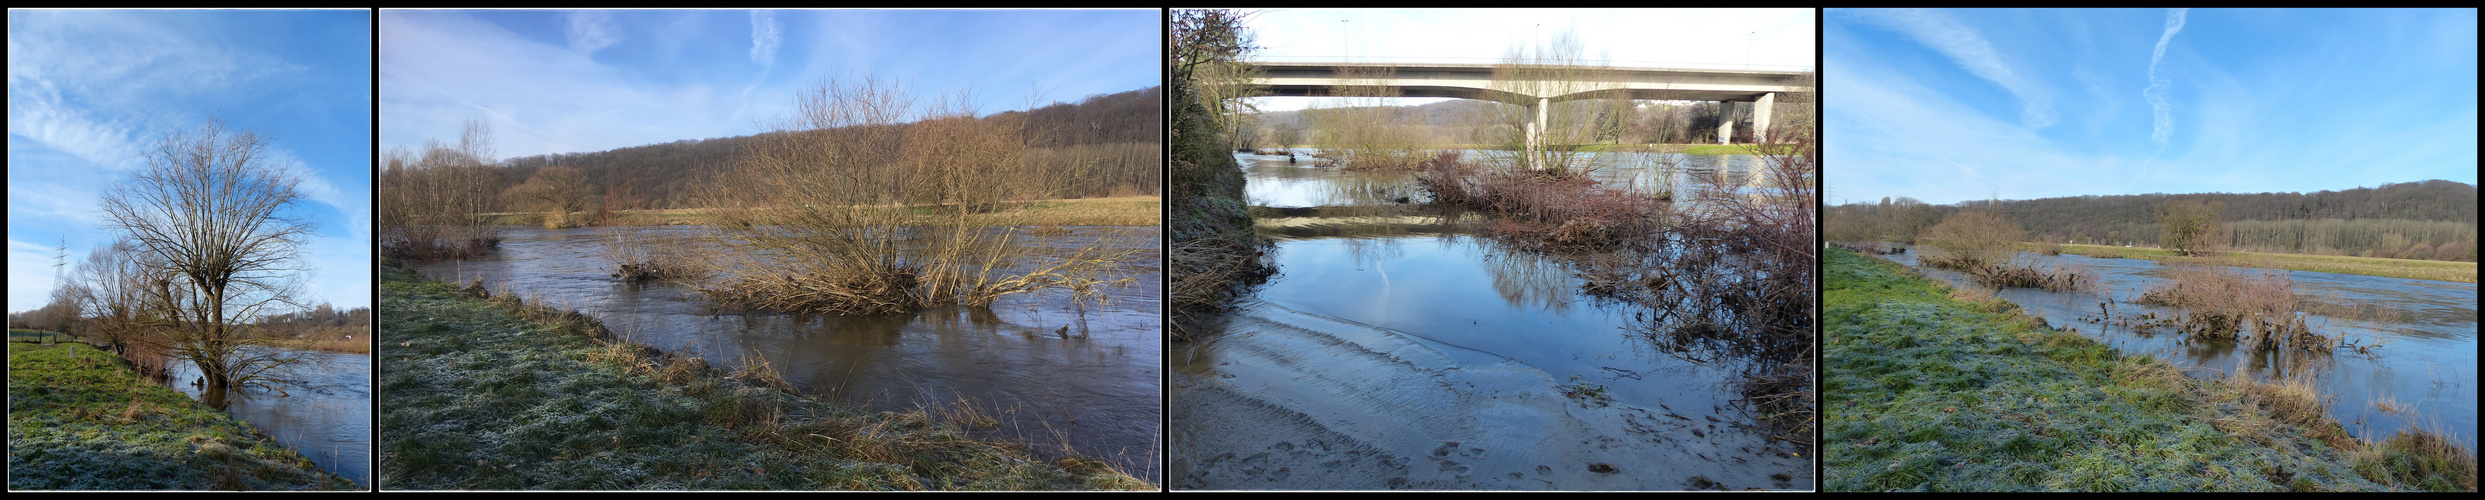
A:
{"x":1475,"y":81}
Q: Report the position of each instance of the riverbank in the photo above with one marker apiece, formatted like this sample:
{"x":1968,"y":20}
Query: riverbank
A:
{"x":1115,"y":211}
{"x":1930,"y":388}
{"x":2435,"y":270}
{"x":491,"y":393}
{"x":83,"y":419}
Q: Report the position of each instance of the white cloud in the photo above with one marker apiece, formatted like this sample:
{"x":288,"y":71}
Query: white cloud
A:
{"x":30,"y":275}
{"x":764,"y":38}
{"x":592,"y":30}
{"x":2157,"y":82}
{"x":439,"y":69}
{"x":1969,"y":49}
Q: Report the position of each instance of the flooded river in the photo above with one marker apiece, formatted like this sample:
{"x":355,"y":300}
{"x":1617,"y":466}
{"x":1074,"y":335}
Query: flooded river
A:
{"x":327,"y":418}
{"x":1396,"y":349}
{"x":1091,"y":382}
{"x":2426,"y":371}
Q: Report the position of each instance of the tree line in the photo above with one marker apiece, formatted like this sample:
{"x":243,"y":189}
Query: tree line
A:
{"x":1101,"y":140}
{"x":2434,"y":220}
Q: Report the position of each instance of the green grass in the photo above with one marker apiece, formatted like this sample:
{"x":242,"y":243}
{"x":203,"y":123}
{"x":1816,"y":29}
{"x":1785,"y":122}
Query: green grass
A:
{"x":491,"y":394}
{"x":2462,"y":272}
{"x":82,"y":419}
{"x":1115,"y":211}
{"x":1927,"y":392}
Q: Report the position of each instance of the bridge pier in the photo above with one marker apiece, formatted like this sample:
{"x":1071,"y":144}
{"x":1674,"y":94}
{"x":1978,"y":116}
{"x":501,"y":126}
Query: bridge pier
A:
{"x":1535,"y":132}
{"x":1760,"y":117}
{"x":1725,"y":122}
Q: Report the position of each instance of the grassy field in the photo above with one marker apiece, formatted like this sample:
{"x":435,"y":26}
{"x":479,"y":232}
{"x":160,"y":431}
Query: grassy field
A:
{"x":1931,"y":389}
{"x":1117,"y":211}
{"x":81,"y":419}
{"x":2463,"y":272}
{"x":488,"y":394}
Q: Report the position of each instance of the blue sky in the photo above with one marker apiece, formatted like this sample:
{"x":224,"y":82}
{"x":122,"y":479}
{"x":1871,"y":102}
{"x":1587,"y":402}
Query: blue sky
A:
{"x":1947,"y":106}
{"x":90,"y":90}
{"x":577,"y":81}
{"x":1780,"y":39}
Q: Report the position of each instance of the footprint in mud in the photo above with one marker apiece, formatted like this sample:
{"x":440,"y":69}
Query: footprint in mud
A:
{"x":1601,"y":468}
{"x":1543,"y":470}
{"x":1280,"y":474}
{"x":1472,"y":453}
{"x":1444,"y":450}
{"x":1255,"y":459}
{"x":1397,"y":483}
{"x":1281,"y":447}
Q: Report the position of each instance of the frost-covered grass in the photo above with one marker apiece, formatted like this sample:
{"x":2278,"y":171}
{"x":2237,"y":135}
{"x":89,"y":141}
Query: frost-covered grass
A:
{"x":81,"y":419}
{"x":1931,"y":389}
{"x":490,"y":394}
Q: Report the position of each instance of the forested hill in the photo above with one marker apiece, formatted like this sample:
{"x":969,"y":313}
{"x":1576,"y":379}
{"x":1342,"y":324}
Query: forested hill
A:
{"x":655,"y":175}
{"x":2434,"y":200}
{"x":2408,"y":220}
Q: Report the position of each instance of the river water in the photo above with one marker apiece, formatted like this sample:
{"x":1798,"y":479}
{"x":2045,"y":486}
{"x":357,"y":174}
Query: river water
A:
{"x":1056,"y":377}
{"x":327,"y":417}
{"x":2427,"y":368}
{"x":1397,"y":349}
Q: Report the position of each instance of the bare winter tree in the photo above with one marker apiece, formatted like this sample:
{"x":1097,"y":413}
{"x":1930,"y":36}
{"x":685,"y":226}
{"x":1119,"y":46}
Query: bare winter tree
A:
{"x":207,"y":217}
{"x":557,"y":190}
{"x":1530,"y":81}
{"x":815,"y":216}
{"x":432,"y":202}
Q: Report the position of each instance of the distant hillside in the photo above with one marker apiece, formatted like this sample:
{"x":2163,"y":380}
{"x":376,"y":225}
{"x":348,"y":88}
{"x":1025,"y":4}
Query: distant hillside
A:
{"x":2435,"y":219}
{"x":657,"y":175}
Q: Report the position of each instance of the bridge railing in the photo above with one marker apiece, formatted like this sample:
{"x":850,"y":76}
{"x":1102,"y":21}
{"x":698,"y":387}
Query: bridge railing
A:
{"x":1496,"y":60}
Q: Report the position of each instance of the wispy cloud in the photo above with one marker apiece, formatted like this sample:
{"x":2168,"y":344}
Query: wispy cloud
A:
{"x":1969,"y":49}
{"x":2158,"y":85}
{"x":764,"y":38}
{"x":592,"y":30}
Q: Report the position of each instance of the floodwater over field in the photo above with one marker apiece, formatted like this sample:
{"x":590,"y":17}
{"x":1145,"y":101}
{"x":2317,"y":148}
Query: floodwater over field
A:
{"x":1057,"y":377}
{"x":1396,"y":349}
{"x":326,"y":418}
{"x":2424,"y":374}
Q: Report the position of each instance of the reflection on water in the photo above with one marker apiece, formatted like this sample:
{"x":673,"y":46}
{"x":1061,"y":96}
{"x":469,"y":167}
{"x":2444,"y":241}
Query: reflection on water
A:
{"x":2428,"y":364}
{"x":1395,"y":349}
{"x":327,"y":417}
{"x":1273,"y":182}
{"x":1087,"y":379}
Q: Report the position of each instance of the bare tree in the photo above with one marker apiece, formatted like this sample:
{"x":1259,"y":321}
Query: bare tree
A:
{"x":2190,"y":225}
{"x":557,"y":190}
{"x":432,"y":203}
{"x":1362,"y":129}
{"x":1541,"y":124}
{"x":207,"y":217}
{"x":813,"y":218}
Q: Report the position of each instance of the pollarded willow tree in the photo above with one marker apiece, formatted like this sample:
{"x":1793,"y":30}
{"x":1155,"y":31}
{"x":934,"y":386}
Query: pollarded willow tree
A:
{"x":860,"y":203}
{"x":207,"y":218}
